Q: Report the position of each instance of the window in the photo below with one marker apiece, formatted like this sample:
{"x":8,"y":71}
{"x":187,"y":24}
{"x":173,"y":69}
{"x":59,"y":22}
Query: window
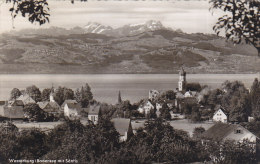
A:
{"x":238,"y":131}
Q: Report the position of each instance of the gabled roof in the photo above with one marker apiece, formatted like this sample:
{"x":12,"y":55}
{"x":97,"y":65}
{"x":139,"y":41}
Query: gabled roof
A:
{"x":42,"y":105}
{"x":219,"y":107}
{"x":94,"y":109}
{"x":54,"y":105}
{"x":145,"y":103}
{"x":47,"y":104}
{"x":68,"y":101}
{"x":121,"y":125}
{"x":74,"y":106}
{"x":220,"y":131}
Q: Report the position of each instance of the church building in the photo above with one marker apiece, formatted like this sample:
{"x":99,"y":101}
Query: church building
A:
{"x":182,"y":80}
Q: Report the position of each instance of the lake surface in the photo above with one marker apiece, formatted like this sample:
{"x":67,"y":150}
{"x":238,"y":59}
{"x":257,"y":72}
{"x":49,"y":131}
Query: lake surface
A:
{"x":105,"y":87}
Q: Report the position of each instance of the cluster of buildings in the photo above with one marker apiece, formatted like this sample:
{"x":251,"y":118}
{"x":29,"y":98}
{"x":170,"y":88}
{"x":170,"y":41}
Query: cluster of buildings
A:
{"x":13,"y":109}
{"x":221,"y":130}
{"x":175,"y":105}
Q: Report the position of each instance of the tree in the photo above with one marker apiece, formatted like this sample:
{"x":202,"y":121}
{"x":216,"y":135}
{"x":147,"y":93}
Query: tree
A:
{"x":170,"y":95}
{"x":35,"y":10}
{"x":15,"y":93}
{"x":32,"y":144}
{"x":34,"y":92}
{"x":123,"y":110}
{"x":214,"y":98}
{"x":34,"y":113}
{"x":193,"y":87}
{"x":236,"y":101}
{"x":84,"y":95}
{"x":230,"y":151}
{"x":62,"y":93}
{"x":93,"y":141}
{"x":165,"y":112}
{"x":241,"y":21}
{"x":197,"y":132}
{"x":255,"y":97}
{"x":8,"y":142}
{"x":195,"y":114}
{"x":46,"y":94}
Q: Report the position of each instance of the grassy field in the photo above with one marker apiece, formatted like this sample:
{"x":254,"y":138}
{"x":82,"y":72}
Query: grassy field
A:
{"x":184,"y":125}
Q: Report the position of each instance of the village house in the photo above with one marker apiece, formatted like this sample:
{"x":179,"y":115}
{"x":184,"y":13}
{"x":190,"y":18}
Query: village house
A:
{"x":124,"y":127}
{"x":169,"y":103}
{"x":220,"y":115}
{"x":146,"y":107}
{"x":12,"y":110}
{"x":222,"y":132}
{"x":94,"y":113}
{"x":68,"y":101}
{"x":72,"y":110}
{"x":179,"y":95}
{"x":26,"y":99}
{"x":158,"y":105}
{"x":190,"y":94}
{"x":50,"y":107}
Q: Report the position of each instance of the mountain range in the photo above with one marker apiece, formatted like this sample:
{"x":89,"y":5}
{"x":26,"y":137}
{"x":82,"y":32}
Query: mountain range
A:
{"x":147,"y":47}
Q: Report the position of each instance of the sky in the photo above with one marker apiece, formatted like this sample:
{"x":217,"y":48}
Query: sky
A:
{"x":189,"y":16}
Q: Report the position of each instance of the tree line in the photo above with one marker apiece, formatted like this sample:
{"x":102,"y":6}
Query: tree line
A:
{"x":157,"y":142}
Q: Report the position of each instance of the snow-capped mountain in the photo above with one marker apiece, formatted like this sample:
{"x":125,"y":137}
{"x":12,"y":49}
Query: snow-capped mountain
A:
{"x":93,"y":27}
{"x":130,"y":29}
{"x":133,"y":29}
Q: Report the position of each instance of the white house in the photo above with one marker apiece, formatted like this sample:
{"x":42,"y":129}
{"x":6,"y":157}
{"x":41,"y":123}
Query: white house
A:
{"x":190,"y":94}
{"x":179,"y":95}
{"x":222,"y":132}
{"x":220,"y":116}
{"x":124,"y":127}
{"x":145,"y":107}
{"x":72,"y":110}
{"x":68,"y":101}
{"x":159,"y":105}
{"x":93,"y":114}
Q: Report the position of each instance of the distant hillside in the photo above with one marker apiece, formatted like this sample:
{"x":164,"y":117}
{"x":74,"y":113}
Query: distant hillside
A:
{"x":141,"y":48}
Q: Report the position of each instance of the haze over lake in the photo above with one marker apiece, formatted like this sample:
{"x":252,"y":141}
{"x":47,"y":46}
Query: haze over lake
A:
{"x":105,"y":87}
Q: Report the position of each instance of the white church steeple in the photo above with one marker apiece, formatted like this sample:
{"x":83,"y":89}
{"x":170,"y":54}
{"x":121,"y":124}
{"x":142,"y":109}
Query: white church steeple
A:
{"x":182,"y":80}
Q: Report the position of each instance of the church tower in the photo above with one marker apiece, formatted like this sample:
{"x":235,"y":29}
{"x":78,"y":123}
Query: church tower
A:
{"x":119,"y":98}
{"x":51,"y":94}
{"x":182,"y":79}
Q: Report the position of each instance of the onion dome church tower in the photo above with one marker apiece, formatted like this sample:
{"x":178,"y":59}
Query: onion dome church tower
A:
{"x":182,"y":80}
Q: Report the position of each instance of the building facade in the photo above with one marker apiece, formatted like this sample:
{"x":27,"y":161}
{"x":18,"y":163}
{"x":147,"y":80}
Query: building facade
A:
{"x":182,"y":80}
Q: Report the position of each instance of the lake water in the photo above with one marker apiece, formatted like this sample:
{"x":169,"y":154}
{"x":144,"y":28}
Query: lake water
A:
{"x":105,"y":87}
